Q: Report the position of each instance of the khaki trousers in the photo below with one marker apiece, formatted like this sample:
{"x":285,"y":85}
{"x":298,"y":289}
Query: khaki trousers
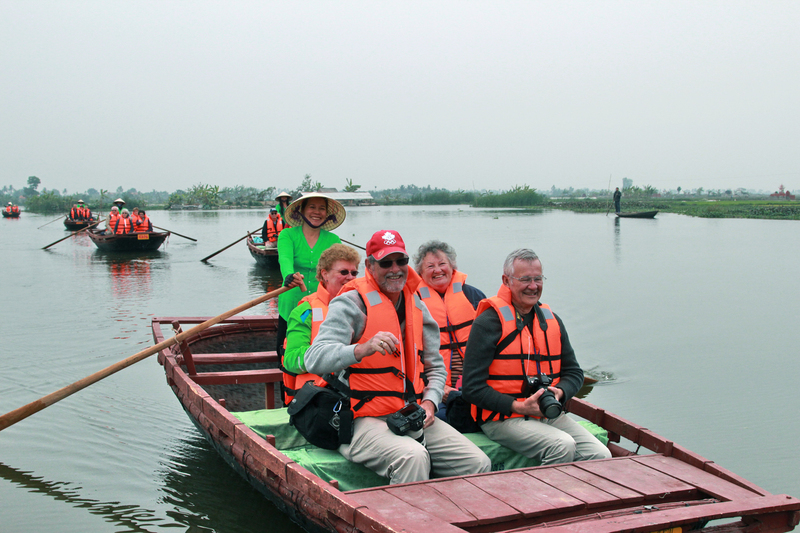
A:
{"x":402,"y":459}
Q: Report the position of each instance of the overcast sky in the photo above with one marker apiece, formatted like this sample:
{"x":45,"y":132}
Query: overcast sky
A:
{"x":166,"y":94}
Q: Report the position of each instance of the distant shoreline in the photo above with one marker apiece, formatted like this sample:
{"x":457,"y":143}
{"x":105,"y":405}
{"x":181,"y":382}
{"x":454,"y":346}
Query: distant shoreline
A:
{"x":760,"y":209}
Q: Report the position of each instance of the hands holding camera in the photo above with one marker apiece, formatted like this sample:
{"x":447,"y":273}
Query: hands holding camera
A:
{"x":382,"y":342}
{"x":530,"y":405}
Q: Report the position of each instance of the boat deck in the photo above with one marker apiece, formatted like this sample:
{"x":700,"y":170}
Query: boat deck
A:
{"x":644,"y":493}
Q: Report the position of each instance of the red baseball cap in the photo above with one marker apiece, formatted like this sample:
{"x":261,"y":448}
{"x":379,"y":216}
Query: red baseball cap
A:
{"x":385,"y":242}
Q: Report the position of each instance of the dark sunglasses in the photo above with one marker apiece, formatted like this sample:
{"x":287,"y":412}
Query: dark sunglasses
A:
{"x":387,"y":263}
{"x":345,"y":272}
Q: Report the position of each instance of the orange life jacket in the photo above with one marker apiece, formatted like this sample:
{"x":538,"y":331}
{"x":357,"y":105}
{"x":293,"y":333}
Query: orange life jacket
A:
{"x":141,"y":224}
{"x":379,"y":383}
{"x":274,"y":228}
{"x":112,"y":218}
{"x":9,"y":209}
{"x":318,"y":301}
{"x":75,"y":213}
{"x":518,"y":356}
{"x":454,"y":314}
{"x":122,"y":225}
{"x":15,"y":209}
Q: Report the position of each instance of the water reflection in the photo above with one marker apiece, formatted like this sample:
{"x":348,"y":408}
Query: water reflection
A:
{"x":206,"y":494}
{"x":127,"y":517}
{"x":261,"y":280}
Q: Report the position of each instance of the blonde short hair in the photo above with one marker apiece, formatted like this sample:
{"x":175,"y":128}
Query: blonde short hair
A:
{"x":337,"y":252}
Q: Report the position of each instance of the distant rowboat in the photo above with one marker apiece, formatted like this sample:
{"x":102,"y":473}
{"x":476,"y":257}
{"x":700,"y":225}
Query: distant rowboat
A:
{"x":128,"y":242}
{"x":638,"y":214}
{"x":74,"y":225}
{"x":265,"y":253}
{"x":6,"y":214}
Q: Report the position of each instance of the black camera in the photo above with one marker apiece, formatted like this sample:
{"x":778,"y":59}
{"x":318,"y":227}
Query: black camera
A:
{"x":409,"y":418}
{"x":548,"y":405}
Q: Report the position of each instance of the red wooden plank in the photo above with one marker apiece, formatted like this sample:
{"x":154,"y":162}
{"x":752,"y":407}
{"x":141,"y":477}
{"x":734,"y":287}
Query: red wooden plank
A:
{"x":708,"y":483}
{"x":627,"y":472}
{"x":658,"y":520}
{"x":268,"y":375}
{"x":525,"y":493}
{"x":234,"y":358}
{"x":425,"y":497}
{"x":401,"y":514}
{"x":622,"y":494}
{"x":484,"y":507}
{"x":575,"y":487}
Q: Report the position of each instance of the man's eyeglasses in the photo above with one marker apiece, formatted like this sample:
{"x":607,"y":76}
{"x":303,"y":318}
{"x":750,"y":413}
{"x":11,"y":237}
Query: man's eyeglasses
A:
{"x":387,"y":263}
{"x":345,"y":272}
{"x":527,"y":280}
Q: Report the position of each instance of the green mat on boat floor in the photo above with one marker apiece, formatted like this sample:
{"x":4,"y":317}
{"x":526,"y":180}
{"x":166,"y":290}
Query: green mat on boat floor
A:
{"x":329,"y":464}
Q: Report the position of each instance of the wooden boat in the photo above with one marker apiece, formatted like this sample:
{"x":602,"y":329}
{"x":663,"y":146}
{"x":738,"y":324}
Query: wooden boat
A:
{"x":129,"y":242}
{"x":638,"y":214}
{"x":226,"y":380}
{"x":74,"y":225}
{"x":265,"y":254}
{"x":6,"y":214}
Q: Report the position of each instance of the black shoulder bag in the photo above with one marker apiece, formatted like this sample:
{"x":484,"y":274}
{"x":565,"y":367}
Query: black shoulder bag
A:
{"x":322,"y":415}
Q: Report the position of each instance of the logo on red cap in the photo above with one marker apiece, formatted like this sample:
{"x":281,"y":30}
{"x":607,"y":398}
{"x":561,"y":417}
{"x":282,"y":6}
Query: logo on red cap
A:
{"x":385,"y":242}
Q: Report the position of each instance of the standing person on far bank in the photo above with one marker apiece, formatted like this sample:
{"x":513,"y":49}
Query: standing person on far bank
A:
{"x":311,"y":219}
{"x":617,"y":199}
{"x":514,"y":339}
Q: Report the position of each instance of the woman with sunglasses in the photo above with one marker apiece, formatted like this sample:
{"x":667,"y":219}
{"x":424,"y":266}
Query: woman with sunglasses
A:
{"x":337,"y":265}
{"x":309,"y":221}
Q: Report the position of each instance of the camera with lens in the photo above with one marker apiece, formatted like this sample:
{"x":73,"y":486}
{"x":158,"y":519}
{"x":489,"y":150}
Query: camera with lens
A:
{"x":409,"y":418}
{"x":548,"y":405}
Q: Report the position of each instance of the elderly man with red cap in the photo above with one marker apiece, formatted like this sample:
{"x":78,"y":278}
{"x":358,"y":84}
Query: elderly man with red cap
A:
{"x":380,"y":340}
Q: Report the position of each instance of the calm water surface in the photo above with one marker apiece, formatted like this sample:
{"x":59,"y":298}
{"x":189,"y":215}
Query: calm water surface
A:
{"x":692,"y":323}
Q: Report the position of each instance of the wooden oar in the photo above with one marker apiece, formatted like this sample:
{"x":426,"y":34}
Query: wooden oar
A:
{"x":25,"y":411}
{"x":231,"y":244}
{"x":71,"y":234}
{"x":176,"y":233}
{"x":43,"y":225}
{"x":352,"y":244}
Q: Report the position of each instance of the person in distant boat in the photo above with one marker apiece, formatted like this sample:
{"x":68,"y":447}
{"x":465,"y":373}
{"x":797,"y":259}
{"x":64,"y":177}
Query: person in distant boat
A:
{"x":112,"y":219}
{"x":12,"y":209}
{"x":273,"y":225}
{"x":141,"y":223}
{"x":135,"y":214}
{"x":85,"y":212}
{"x":311,"y":219}
{"x":123,"y":224}
{"x":452,"y":304}
{"x":75,"y":213}
{"x":119,"y":202}
{"x":283,"y":200}
{"x":517,"y":345}
{"x":337,"y":266}
{"x":383,"y":343}
{"x":617,"y":199}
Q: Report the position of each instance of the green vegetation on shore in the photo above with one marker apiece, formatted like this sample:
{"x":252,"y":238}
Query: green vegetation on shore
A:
{"x":698,"y":203}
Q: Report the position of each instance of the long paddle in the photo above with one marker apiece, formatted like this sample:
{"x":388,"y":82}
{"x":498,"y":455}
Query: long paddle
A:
{"x":352,"y":244}
{"x":609,"y":192}
{"x":176,"y":233}
{"x":71,"y":234}
{"x":43,"y":225}
{"x":231,"y":244}
{"x":25,"y":411}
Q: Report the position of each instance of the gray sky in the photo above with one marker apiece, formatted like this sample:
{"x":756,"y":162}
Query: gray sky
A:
{"x":166,"y":94}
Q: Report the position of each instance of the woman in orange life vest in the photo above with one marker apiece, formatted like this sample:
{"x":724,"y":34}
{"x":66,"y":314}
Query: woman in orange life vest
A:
{"x":452,"y":304}
{"x":272,"y":227}
{"x":123,"y":223}
{"x":337,"y":265}
{"x":142,"y":223}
